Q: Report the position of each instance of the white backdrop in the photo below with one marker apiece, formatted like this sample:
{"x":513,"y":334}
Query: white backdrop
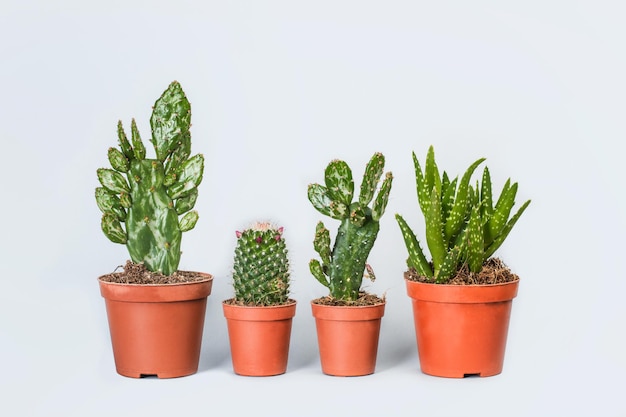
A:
{"x":278,"y":89}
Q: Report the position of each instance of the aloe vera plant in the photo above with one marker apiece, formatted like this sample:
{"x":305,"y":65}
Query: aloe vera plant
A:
{"x":147,"y":203}
{"x":261,"y":266}
{"x":342,"y":269}
{"x":462,"y":225}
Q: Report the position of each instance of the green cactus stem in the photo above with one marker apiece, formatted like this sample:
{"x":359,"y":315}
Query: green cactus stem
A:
{"x":141,"y":199}
{"x":261,"y":266}
{"x":342,"y":269}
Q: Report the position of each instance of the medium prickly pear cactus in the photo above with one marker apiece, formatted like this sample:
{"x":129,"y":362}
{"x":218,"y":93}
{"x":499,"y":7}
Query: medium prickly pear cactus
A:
{"x":342,"y":269}
{"x":462,"y":225}
{"x":261,"y":266}
{"x":142,"y":199}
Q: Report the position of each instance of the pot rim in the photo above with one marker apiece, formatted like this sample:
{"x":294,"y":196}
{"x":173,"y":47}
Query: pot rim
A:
{"x":156,"y":293}
{"x":348,"y":313}
{"x":259,"y":313}
{"x":463,"y":294}
{"x":261,"y":307}
{"x":207,"y":277}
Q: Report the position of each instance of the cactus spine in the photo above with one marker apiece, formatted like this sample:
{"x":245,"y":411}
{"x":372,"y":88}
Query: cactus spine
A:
{"x":341,"y":270}
{"x":261,"y":266}
{"x":462,"y":225}
{"x":142,"y":199}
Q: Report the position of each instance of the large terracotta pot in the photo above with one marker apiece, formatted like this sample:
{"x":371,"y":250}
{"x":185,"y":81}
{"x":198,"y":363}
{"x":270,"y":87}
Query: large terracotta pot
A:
{"x":348,"y":338}
{"x":259,"y":338}
{"x":461,"y":330}
{"x":156,"y":329}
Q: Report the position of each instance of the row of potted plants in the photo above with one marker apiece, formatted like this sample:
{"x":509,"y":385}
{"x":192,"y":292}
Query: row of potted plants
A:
{"x":461,"y":297}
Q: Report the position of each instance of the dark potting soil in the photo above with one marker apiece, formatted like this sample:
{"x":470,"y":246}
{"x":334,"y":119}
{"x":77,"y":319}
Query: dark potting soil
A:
{"x":494,"y":272}
{"x":235,"y":302}
{"x":133,"y":273}
{"x":364,"y":299}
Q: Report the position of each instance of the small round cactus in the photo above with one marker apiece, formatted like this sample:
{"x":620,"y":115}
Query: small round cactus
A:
{"x":261,"y":266}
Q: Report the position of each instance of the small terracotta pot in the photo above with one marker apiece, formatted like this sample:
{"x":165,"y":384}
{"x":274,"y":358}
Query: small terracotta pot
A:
{"x":348,"y":338}
{"x":461,"y":330}
{"x":259,"y":338}
{"x":156,"y":329}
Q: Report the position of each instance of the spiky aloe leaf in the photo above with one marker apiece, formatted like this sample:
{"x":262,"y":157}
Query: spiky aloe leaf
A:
{"x":475,"y":241}
{"x":319,"y":197}
{"x":505,"y":232}
{"x":459,"y":211}
{"x":170,"y":120}
{"x":118,"y":160}
{"x":112,"y":228}
{"x":423,"y":193}
{"x":123,"y":141}
{"x":431,"y":172}
{"x":416,"y":259}
{"x":447,"y":201}
{"x":486,"y":207}
{"x":502,"y":209}
{"x":189,"y":178}
{"x":434,"y":231}
{"x":184,"y":204}
{"x":339,"y":182}
{"x":317,"y":272}
{"x":449,"y":264}
{"x":321,"y":243}
{"x":109,"y":202}
{"x":380,"y":203}
{"x":112,"y":180}
{"x":486,"y":195}
{"x":138,"y":148}
{"x":373,"y":171}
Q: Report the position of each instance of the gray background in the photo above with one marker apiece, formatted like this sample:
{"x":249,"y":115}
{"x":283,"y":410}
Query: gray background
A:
{"x":278,"y":89}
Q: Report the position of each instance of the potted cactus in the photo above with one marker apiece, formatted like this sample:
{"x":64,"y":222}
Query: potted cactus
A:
{"x":155,"y":312}
{"x":348,"y":319}
{"x":462,"y":297}
{"x":259,"y":316}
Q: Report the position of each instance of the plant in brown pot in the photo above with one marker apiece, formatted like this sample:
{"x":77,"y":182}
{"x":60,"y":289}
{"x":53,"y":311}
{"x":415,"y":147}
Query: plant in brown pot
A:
{"x":348,"y":319}
{"x":259,"y":316}
{"x":155,"y":312}
{"x":461,"y":298}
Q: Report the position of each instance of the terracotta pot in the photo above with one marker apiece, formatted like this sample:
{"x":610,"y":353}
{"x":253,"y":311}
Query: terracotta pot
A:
{"x":348,"y":338}
{"x":461,"y":330}
{"x":156,"y":329}
{"x":259,"y":338}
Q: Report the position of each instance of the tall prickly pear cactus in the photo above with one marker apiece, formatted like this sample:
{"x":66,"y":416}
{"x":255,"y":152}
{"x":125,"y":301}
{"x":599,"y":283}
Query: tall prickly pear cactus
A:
{"x":342,"y":269}
{"x":146,"y":203}
{"x":261,"y":266}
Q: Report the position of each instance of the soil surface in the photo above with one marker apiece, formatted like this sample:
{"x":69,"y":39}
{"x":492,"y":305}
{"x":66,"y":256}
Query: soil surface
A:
{"x":364,"y":299}
{"x":494,"y":272}
{"x":234,"y":302}
{"x":133,"y":273}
